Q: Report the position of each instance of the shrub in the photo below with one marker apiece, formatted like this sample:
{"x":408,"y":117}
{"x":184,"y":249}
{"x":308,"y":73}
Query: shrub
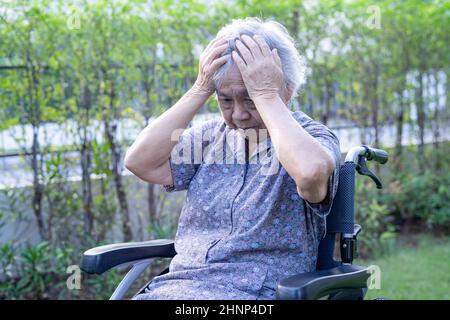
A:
{"x":421,"y":198}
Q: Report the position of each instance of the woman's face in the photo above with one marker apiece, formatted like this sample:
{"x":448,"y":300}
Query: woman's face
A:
{"x":238,"y":110}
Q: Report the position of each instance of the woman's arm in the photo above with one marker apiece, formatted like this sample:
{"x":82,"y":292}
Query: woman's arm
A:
{"x":303,"y":157}
{"x":148,"y":156}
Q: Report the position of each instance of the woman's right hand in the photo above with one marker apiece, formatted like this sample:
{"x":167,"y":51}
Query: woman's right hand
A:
{"x":209,"y":62}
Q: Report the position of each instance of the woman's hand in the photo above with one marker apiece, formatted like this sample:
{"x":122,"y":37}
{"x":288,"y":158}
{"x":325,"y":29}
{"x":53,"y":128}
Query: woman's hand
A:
{"x":260,"y":67}
{"x":210,"y":61}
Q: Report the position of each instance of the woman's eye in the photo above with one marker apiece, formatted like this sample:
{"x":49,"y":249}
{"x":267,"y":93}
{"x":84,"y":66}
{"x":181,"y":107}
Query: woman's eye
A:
{"x":225,"y":103}
{"x":249,"y":102}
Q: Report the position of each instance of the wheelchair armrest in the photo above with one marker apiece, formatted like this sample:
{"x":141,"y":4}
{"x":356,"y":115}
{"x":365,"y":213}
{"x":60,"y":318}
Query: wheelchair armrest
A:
{"x":100,"y":259}
{"x":316,"y":284}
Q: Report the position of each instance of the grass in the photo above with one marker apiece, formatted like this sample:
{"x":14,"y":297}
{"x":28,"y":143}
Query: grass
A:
{"x":417,"y":268}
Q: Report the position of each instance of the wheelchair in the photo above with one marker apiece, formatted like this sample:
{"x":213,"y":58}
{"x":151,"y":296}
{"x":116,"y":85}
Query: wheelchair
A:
{"x":333,"y":279}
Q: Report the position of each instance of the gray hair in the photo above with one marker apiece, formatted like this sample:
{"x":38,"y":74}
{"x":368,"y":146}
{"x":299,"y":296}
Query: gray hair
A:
{"x":276,"y":36}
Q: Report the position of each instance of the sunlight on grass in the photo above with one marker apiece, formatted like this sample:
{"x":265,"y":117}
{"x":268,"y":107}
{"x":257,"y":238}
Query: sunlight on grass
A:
{"x":415,"y":272}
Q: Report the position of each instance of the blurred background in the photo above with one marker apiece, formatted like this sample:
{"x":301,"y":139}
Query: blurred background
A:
{"x":80,"y":79}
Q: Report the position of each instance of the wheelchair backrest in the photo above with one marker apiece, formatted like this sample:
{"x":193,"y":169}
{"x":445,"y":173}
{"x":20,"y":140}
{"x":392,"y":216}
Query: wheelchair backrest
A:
{"x":341,"y":219}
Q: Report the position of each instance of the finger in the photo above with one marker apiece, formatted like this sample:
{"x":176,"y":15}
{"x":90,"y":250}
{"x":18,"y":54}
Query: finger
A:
{"x":215,"y":52}
{"x":239,"y":61}
{"x":223,"y":43}
{"x":244,"y":51}
{"x":252,"y":45}
{"x":219,"y":61}
{"x":217,"y":40}
{"x":265,"y":49}
{"x":276,"y":57}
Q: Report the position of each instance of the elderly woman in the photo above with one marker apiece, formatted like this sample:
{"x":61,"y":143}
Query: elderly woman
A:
{"x":247,"y":223}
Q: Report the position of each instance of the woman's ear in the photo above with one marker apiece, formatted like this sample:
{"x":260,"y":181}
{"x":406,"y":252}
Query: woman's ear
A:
{"x":288,"y":91}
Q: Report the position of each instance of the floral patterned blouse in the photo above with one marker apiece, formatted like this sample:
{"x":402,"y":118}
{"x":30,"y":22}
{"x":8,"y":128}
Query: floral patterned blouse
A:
{"x":243,"y":226}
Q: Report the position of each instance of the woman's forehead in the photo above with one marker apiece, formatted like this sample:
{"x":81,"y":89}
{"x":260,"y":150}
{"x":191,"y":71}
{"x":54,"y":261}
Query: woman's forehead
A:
{"x":232,"y":84}
{"x":232,"y":91}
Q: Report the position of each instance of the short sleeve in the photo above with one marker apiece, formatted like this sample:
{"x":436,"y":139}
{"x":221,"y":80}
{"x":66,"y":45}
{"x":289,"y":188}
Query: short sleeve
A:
{"x":331,"y":144}
{"x":187,"y":156}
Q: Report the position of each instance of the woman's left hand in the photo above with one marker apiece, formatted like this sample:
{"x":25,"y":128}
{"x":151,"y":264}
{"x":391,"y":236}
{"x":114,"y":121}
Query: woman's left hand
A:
{"x":260,"y":68}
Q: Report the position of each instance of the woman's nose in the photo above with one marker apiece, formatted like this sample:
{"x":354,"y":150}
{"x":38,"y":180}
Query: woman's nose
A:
{"x":240,"y":114}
